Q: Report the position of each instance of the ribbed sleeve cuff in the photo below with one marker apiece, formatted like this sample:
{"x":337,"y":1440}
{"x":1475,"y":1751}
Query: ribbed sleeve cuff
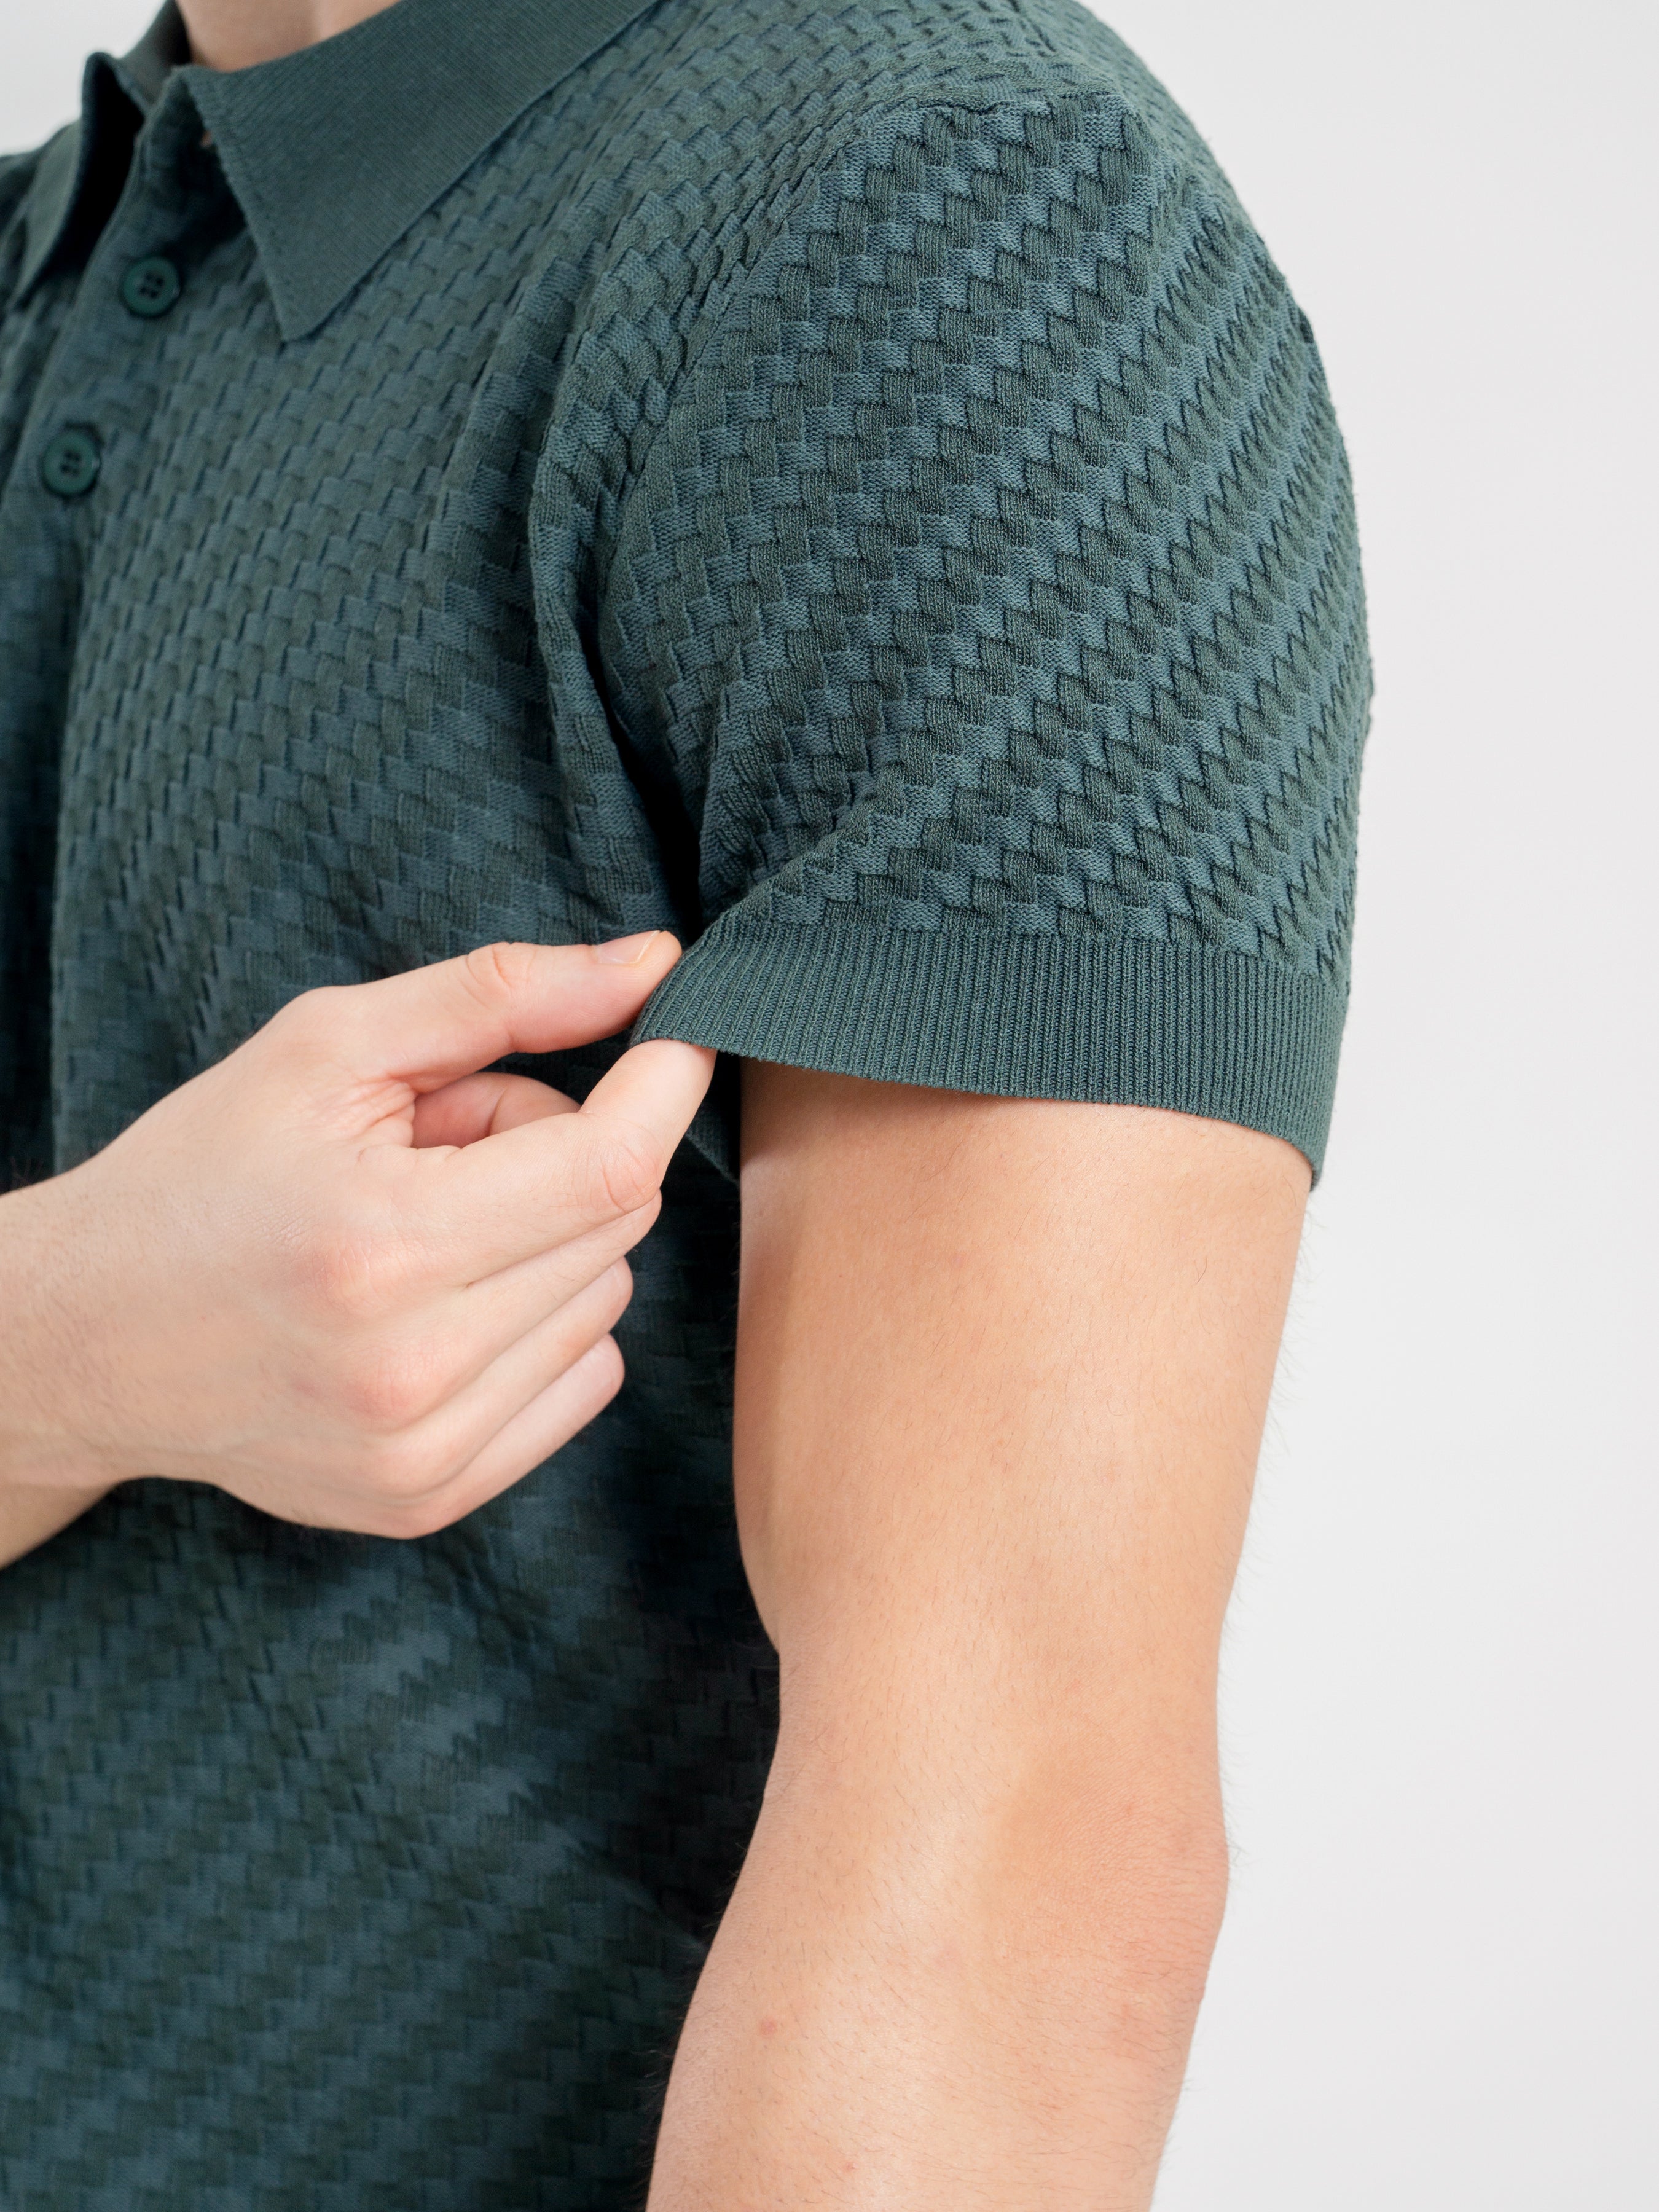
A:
{"x":1137,"y":1023}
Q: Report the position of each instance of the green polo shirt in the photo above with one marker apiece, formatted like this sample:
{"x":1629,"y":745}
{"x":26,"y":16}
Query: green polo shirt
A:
{"x":844,"y":482}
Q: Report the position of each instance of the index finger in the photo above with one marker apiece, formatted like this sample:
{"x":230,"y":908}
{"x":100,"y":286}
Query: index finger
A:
{"x":431,"y":1025}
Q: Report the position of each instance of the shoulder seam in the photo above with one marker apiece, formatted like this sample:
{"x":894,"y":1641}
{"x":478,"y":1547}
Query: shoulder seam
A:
{"x":783,"y":210}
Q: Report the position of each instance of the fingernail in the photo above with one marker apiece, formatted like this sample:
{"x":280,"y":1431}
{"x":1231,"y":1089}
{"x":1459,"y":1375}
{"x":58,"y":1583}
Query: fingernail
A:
{"x":627,"y":951}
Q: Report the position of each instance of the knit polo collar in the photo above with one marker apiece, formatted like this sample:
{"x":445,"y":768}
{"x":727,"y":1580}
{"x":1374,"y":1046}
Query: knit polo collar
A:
{"x":334,"y":151}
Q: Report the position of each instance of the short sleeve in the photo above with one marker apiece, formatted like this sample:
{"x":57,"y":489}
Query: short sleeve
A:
{"x":989,"y":605}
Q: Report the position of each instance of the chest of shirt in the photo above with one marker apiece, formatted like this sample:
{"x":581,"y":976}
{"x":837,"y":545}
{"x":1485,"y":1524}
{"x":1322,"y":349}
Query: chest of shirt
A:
{"x":279,"y":704}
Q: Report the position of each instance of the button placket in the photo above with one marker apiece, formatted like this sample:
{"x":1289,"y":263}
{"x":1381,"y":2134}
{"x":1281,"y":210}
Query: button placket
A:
{"x":95,"y":396}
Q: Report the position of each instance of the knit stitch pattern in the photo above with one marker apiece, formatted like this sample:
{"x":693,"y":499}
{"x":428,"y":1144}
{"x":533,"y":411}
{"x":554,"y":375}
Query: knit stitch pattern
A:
{"x":846,"y":482}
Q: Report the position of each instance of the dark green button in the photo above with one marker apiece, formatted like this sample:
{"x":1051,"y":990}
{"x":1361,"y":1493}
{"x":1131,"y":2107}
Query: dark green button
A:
{"x":71,"y":464}
{"x":151,"y":286}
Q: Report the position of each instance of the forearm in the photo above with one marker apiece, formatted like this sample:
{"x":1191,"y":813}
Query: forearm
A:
{"x":986,"y":2016}
{"x":29,"y":1517}
{"x":42,"y":1489}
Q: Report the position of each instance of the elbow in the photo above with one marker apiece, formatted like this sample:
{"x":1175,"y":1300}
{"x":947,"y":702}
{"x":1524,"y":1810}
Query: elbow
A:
{"x":1164,"y":1894}
{"x":1123,"y":1902}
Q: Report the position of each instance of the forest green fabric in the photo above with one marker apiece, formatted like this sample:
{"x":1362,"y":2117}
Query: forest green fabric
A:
{"x":844,"y":482}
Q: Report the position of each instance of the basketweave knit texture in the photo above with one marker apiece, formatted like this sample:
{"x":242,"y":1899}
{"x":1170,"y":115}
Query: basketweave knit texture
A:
{"x":846,"y":482}
{"x":1000,"y":568}
{"x":996,"y":570}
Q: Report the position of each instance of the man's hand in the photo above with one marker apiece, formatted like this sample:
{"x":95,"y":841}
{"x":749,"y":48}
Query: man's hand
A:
{"x":1002,"y":1377}
{"x":342,"y":1274}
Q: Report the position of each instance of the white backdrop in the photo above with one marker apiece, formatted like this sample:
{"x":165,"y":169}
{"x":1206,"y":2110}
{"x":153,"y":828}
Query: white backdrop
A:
{"x":1437,"y":1985}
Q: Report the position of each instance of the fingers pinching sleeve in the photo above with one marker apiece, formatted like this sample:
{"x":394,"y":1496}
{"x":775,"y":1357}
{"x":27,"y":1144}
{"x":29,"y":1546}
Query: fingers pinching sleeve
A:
{"x":991,"y":599}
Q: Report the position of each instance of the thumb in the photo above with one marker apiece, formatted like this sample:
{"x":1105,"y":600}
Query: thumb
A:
{"x":433,"y":1024}
{"x":528,"y":1189}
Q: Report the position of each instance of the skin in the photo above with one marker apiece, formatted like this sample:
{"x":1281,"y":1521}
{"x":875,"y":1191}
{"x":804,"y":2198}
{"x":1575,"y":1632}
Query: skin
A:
{"x":231,"y":34}
{"x":343,"y":1274}
{"x":1003,"y":1371}
{"x":1003,"y":1368}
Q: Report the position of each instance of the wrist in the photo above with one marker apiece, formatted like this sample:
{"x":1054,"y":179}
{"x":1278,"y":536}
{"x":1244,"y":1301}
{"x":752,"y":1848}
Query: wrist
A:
{"x":43,"y":1351}
{"x":44,"y":1468}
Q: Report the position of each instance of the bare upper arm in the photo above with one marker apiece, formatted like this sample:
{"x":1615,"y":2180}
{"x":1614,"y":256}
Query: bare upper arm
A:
{"x":1003,"y":1370}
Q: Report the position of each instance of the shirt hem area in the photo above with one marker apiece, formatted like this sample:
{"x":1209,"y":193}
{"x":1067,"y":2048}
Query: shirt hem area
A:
{"x":1112,"y":1020}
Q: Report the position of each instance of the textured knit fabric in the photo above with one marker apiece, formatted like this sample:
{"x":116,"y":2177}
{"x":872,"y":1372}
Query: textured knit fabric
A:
{"x":846,"y":482}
